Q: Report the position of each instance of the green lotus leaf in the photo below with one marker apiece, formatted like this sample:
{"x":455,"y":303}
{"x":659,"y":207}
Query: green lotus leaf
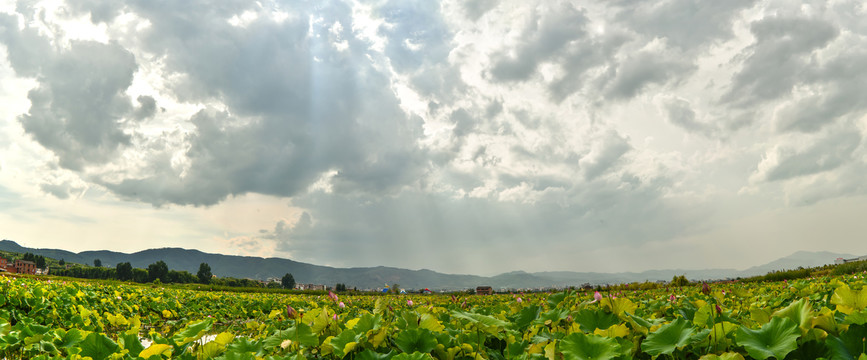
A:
{"x":486,"y":323}
{"x":192,"y":332}
{"x":775,"y":339}
{"x":525,"y":317}
{"x":373,"y":355}
{"x":236,"y":355}
{"x":515,"y":349}
{"x":812,"y":349}
{"x":848,"y":300}
{"x":244,"y":345}
{"x":723,"y":356}
{"x":556,"y":299}
{"x":674,"y":335}
{"x":98,"y":346}
{"x":367,"y":322}
{"x":552,"y":317}
{"x":300,"y":333}
{"x":857,"y":317}
{"x":414,"y":340}
{"x":130,"y":342}
{"x":798,"y":312}
{"x":591,"y":319}
{"x":68,"y":339}
{"x":850,"y":343}
{"x":345,"y":342}
{"x":578,"y":346}
{"x":413,"y":356}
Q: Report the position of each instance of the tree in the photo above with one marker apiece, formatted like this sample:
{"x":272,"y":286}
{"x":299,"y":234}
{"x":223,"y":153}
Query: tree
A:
{"x":124,"y":271}
{"x":679,"y":281}
{"x":40,"y":262}
{"x":139,"y":275}
{"x":62,"y":262}
{"x":339,"y":287}
{"x":158,"y":270}
{"x":395,"y":288}
{"x":204,"y":273}
{"x":97,"y":262}
{"x":288,"y":281}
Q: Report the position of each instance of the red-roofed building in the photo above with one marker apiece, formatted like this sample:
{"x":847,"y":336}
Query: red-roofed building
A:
{"x":25,"y":267}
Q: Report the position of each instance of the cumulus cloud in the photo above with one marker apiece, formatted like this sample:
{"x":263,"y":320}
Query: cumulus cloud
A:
{"x":79,"y":105}
{"x":835,"y":89}
{"x":401,"y":129}
{"x":680,"y":113}
{"x":546,"y":36}
{"x":605,"y":155}
{"x":297,"y":107}
{"x":777,"y":61}
{"x":422,"y":228}
{"x":686,"y":24}
{"x":825,"y":154}
{"x":642,"y":70}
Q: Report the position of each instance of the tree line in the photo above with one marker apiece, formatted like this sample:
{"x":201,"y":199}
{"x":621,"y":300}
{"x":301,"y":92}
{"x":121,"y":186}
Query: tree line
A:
{"x":159,"y":272}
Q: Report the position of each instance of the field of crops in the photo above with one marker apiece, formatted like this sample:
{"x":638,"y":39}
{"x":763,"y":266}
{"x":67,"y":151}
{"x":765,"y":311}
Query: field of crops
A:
{"x":804,"y":319}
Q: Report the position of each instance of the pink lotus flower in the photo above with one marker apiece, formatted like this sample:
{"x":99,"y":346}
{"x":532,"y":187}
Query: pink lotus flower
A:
{"x":718,"y":310}
{"x":334,"y":317}
{"x":672,"y":298}
{"x":341,"y":305}
{"x":409,"y":302}
{"x":519,"y":300}
{"x":333,"y":296}
{"x":597,"y":296}
{"x":290,"y":312}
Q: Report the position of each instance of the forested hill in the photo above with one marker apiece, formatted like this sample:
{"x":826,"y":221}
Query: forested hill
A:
{"x":375,"y":277}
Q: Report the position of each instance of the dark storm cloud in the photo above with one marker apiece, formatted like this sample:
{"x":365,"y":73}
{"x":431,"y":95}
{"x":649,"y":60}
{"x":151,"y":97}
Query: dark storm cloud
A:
{"x":417,"y":228}
{"x":605,"y":156}
{"x":62,"y":190}
{"x":686,"y":24}
{"x":79,"y":105}
{"x":826,"y":154}
{"x":147,"y":107}
{"x":680,"y":113}
{"x":779,"y":58}
{"x":544,"y":38}
{"x":298,"y":107}
{"x":642,"y":70}
{"x":840,"y":85}
{"x":477,"y":8}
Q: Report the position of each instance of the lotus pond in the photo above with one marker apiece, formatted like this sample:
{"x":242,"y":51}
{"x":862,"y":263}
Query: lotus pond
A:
{"x":803,"y":319}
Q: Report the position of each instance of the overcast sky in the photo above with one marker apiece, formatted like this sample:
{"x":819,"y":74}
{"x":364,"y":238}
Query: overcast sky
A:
{"x":462,"y":136}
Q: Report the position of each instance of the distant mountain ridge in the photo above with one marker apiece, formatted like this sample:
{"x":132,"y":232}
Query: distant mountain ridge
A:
{"x":375,"y":277}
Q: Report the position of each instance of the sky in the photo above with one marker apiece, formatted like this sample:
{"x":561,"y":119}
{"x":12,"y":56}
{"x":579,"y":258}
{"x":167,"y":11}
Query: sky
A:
{"x":470,"y":136}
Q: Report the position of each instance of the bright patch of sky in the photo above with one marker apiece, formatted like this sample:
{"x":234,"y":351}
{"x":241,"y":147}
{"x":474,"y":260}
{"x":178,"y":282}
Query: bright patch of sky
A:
{"x":461,"y":136}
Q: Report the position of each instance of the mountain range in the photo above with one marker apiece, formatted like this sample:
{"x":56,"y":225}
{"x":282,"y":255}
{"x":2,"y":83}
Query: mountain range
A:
{"x":375,"y":277}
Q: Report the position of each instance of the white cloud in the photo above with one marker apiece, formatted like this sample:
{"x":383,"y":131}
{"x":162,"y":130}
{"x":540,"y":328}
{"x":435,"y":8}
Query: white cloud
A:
{"x":422,"y":134}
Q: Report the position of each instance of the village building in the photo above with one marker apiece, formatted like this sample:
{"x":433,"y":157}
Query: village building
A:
{"x":843,"y":261}
{"x":24,"y":267}
{"x":484,"y":290}
{"x":309,"y":287}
